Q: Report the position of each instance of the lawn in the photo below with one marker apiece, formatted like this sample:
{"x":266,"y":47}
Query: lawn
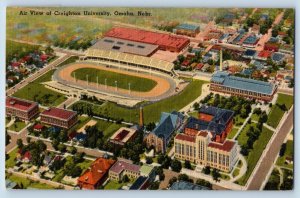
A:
{"x":276,"y":112}
{"x":7,"y":120}
{"x":17,"y":126}
{"x":254,"y":155}
{"x":232,"y":133}
{"x":151,"y":112}
{"x":193,"y":114}
{"x":11,"y":161}
{"x":72,"y":59}
{"x":238,"y":120}
{"x":114,"y":185}
{"x":123,"y":80}
{"x":236,"y":172}
{"x":29,"y":183}
{"x":35,"y":91}
{"x":108,"y":128}
{"x":255,"y":117}
{"x":242,"y":137}
{"x":289,"y":152}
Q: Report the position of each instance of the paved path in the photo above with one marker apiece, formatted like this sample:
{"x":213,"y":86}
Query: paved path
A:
{"x":271,"y":151}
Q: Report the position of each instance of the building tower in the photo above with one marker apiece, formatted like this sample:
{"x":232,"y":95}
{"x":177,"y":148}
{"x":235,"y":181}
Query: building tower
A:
{"x":141,"y":117}
{"x":221,"y":60}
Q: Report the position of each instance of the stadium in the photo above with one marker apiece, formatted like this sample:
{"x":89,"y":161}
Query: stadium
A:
{"x":118,"y":77}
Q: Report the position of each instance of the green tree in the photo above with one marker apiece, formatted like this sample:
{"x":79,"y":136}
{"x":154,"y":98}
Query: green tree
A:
{"x":176,"y":165}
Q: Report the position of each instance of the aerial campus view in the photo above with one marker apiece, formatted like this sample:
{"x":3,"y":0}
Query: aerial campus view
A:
{"x":149,"y":98}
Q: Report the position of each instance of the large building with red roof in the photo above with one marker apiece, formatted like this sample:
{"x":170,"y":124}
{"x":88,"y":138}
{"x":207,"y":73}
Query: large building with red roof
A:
{"x":200,"y":149}
{"x":22,"y":109}
{"x":167,"y":42}
{"x":59,"y":117}
{"x":97,"y":173}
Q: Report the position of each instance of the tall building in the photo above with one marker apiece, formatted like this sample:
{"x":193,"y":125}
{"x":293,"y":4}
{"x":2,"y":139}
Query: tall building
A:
{"x":59,"y":117}
{"x":200,"y":149}
{"x":254,"y":89}
{"x":22,"y":109}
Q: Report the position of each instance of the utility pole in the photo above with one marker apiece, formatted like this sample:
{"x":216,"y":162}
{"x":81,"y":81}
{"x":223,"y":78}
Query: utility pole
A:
{"x":87,"y":79}
{"x":116,"y":82}
{"x":97,"y":82}
{"x":129,"y":88}
{"x":105,"y":83}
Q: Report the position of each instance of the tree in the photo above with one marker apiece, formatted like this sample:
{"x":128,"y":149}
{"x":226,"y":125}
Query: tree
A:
{"x":154,"y":185}
{"x":216,"y":175}
{"x":184,"y":177}
{"x":20,"y":143}
{"x":206,"y":170}
{"x":176,"y":165}
{"x":7,"y":138}
{"x":75,"y":172}
{"x":172,"y":180}
{"x":187,"y":164}
{"x":62,"y":148}
{"x":28,"y":139}
{"x":202,"y":182}
{"x":149,"y":160}
{"x":73,"y":150}
{"x":55,"y":144}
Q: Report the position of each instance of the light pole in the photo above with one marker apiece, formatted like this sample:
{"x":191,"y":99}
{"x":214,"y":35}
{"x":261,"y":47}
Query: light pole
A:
{"x":87,"y":79}
{"x":97,"y":82}
{"x":129,"y":87}
{"x":105,"y":83}
{"x":116,"y":82}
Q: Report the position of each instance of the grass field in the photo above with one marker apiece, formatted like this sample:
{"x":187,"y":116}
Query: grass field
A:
{"x":123,"y":80}
{"x":289,"y":152}
{"x":232,"y":133}
{"x":35,"y":91}
{"x":11,"y":161}
{"x":255,"y":154}
{"x":17,"y":126}
{"x":276,"y":112}
{"x":108,"y":128}
{"x":151,"y":112}
{"x":19,"y":49}
{"x":242,"y":137}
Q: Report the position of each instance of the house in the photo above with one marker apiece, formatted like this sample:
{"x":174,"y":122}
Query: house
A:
{"x":124,"y":167}
{"x":162,"y":133}
{"x":97,"y":173}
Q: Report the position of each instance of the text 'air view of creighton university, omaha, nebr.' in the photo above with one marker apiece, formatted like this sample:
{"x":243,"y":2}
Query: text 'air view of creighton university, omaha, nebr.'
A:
{"x":149,"y":98}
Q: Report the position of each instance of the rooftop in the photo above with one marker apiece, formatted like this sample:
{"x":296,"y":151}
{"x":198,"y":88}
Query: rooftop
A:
{"x":144,"y":36}
{"x":183,"y":185}
{"x":138,"y":183}
{"x":59,"y":113}
{"x":185,"y":137}
{"x":123,"y":134}
{"x":96,"y":171}
{"x":121,"y":165}
{"x":226,"y":146}
{"x":121,"y":45}
{"x":187,"y":26}
{"x":20,"y":104}
{"x":243,"y":83}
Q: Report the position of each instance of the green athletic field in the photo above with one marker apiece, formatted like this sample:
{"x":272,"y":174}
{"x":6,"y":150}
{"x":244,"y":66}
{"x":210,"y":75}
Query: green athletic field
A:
{"x":123,"y":80}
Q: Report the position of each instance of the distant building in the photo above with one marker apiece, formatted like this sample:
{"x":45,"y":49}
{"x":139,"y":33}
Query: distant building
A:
{"x":218,"y":122}
{"x":123,"y":135}
{"x":124,"y":167}
{"x":183,"y":185}
{"x":187,"y":29}
{"x":244,"y":87}
{"x":160,"y":137}
{"x":96,"y":174}
{"x":59,"y":117}
{"x":22,"y":109}
{"x":165,"y":41}
{"x":200,"y":149}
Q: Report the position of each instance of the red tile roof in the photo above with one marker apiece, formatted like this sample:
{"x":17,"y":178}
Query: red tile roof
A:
{"x":97,"y":170}
{"x":226,"y":146}
{"x":59,"y":113}
{"x":203,"y":133}
{"x":265,"y":54}
{"x":144,"y":36}
{"x":185,"y":137}
{"x":120,"y":165}
{"x":38,"y":126}
{"x":20,"y":104}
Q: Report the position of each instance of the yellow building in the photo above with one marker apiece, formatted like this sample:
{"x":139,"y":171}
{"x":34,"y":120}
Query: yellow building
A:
{"x":201,"y":150}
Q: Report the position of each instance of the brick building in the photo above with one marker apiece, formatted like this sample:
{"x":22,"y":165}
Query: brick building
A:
{"x":22,"y":109}
{"x":97,"y":173}
{"x":59,"y":117}
{"x":244,"y":87}
{"x":123,"y":135}
{"x":124,"y":167}
{"x":200,"y":149}
{"x":187,"y":29}
{"x":216,"y":121}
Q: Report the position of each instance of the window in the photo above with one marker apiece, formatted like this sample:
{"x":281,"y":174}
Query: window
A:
{"x":130,"y":45}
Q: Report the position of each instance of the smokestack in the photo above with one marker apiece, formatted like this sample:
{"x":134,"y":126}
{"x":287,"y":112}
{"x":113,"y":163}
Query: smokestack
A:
{"x":221,"y":60}
{"x":141,"y":117}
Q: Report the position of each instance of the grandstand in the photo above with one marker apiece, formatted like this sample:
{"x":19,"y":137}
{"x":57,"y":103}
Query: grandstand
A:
{"x":131,"y":60}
